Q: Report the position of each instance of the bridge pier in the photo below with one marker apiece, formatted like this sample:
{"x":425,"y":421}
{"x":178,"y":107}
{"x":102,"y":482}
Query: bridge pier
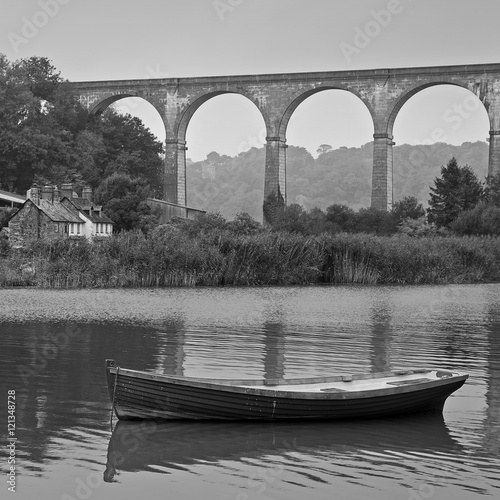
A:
{"x":382,"y":171}
{"x":174,"y":190}
{"x":494,"y":158}
{"x":275,"y":172}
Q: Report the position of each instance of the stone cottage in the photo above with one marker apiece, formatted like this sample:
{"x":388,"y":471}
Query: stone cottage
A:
{"x":49,"y":212}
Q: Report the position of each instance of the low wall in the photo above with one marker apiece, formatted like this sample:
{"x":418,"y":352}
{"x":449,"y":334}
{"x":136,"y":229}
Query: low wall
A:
{"x":170,"y":210}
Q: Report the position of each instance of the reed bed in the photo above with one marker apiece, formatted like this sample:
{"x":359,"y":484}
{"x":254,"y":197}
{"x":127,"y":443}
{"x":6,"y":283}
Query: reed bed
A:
{"x":169,"y":257}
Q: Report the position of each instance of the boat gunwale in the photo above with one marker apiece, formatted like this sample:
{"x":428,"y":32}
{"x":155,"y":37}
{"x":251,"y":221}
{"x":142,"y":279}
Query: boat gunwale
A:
{"x":254,"y":386}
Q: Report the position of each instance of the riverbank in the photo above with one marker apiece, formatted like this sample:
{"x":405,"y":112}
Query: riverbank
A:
{"x":171,"y":258}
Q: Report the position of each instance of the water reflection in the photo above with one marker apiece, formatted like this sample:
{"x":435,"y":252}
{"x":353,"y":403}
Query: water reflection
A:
{"x":274,"y":350}
{"x":62,"y":406}
{"x":492,"y":420}
{"x":171,"y":354}
{"x":381,"y":337}
{"x":152,"y":446}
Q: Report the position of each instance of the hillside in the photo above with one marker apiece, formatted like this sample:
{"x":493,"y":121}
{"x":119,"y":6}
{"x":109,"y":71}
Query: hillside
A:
{"x":233,"y":185}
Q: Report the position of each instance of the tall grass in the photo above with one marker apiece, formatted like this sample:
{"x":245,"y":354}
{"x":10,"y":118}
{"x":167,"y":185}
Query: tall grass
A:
{"x":171,"y":258}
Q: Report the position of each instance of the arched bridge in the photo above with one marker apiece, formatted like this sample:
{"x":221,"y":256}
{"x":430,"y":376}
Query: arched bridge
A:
{"x":383,"y":91}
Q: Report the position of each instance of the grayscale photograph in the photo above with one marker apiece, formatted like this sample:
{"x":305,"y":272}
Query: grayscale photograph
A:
{"x":250,"y":249}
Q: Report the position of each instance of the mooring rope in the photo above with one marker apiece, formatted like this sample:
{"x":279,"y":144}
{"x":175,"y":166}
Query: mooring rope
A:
{"x":114,"y":395}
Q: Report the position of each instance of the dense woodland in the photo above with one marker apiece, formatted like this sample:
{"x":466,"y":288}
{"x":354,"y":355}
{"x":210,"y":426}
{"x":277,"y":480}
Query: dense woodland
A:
{"x":341,"y":176}
{"x":48,"y":137}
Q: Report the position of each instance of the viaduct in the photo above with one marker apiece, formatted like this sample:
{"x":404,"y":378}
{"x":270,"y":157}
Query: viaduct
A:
{"x":383,"y":91}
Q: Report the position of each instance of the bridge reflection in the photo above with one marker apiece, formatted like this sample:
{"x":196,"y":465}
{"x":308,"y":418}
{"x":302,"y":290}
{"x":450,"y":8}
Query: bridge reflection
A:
{"x":491,"y":441}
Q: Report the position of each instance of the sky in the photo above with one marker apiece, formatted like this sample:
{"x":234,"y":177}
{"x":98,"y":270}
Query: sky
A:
{"x":112,"y":40}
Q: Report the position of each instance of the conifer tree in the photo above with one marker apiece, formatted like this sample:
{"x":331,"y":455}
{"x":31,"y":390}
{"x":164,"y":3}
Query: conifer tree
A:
{"x":457,"y":189}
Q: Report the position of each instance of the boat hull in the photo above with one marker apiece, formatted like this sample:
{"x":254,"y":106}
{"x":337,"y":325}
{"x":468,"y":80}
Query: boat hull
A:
{"x":138,"y":395}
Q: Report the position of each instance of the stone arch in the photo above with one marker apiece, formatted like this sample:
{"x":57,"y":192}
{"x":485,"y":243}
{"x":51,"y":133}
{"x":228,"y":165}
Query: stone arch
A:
{"x":101,"y":105}
{"x":184,"y":117}
{"x":175,"y":144}
{"x":299,"y":97}
{"x":403,"y":99}
{"x":276,"y":147}
{"x":97,"y":107}
{"x":382,"y":181}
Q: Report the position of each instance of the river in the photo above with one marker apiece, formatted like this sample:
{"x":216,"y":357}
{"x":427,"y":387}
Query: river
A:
{"x":54,"y":344}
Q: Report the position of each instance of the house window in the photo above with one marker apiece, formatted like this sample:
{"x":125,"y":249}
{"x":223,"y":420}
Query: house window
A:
{"x":56,"y":227}
{"x":72,"y":230}
{"x":78,"y":228}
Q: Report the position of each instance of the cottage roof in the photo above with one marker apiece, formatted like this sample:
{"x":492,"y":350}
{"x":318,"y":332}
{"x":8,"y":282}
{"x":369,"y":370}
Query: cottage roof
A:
{"x":58,"y":212}
{"x":84,"y":205}
{"x":102,"y":218}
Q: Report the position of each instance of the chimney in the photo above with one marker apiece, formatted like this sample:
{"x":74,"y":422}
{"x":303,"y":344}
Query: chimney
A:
{"x":67,"y":191}
{"x":47,"y":193}
{"x":87,"y":193}
{"x":33,"y":194}
{"x":56,"y":194}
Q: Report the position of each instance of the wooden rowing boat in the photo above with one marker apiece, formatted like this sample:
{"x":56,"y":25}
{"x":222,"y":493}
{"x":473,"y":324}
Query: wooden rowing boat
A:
{"x":142,"y":395}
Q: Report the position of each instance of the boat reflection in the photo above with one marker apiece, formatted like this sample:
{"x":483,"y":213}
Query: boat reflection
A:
{"x":152,"y":446}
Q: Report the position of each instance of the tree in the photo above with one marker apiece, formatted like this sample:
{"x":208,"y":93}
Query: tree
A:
{"x":124,"y":200}
{"x":41,"y":77}
{"x":5,"y":215}
{"x":244,"y":224}
{"x":417,"y":227}
{"x":343,"y":217}
{"x":323,"y":148}
{"x":130,"y":148}
{"x":484,"y":218}
{"x":407,"y":208}
{"x":492,"y":190}
{"x":315,"y":222}
{"x":273,"y":206}
{"x":289,"y":218}
{"x":202,"y":224}
{"x":372,"y":220}
{"x":48,"y":137}
{"x":457,"y":189}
